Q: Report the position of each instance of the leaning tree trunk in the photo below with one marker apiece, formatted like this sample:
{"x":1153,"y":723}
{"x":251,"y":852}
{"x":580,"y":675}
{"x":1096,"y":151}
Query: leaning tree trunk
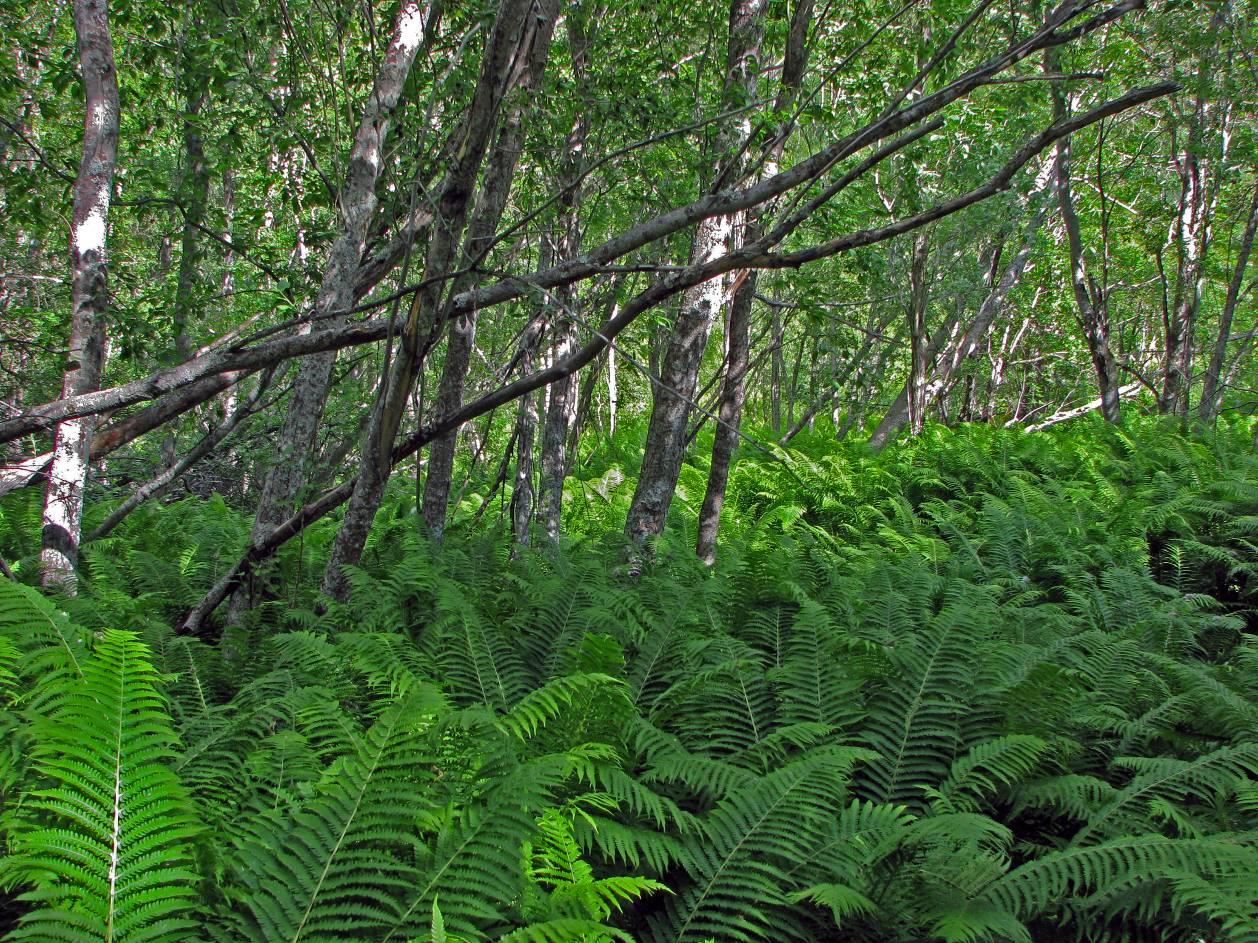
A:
{"x":357,"y":205}
{"x":451,"y":198}
{"x":965,"y":345}
{"x":729,"y":416}
{"x":679,"y":373}
{"x":93,"y":189}
{"x":461,"y":334}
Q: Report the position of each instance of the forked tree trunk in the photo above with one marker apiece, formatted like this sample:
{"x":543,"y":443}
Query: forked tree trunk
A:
{"x":679,"y":373}
{"x":93,"y":190}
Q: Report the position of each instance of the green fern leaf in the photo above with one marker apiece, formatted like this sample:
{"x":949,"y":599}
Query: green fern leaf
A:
{"x":107,"y":843}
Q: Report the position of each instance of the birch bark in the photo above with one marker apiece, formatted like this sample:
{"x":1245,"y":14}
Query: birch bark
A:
{"x":93,"y":190}
{"x":679,"y":373}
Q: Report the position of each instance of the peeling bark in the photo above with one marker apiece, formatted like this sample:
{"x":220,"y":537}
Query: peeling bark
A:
{"x":679,"y":373}
{"x":93,"y":190}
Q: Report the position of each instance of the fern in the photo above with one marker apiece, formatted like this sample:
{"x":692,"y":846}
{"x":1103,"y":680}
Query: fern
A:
{"x":340,"y":866}
{"x":105,"y":837}
{"x":750,"y":843}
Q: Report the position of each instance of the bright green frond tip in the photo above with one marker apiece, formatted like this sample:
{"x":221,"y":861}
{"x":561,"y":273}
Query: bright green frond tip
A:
{"x":103,"y":845}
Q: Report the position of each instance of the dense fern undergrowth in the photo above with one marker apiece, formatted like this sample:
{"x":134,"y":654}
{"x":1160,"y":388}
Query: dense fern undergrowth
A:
{"x":983,"y":686}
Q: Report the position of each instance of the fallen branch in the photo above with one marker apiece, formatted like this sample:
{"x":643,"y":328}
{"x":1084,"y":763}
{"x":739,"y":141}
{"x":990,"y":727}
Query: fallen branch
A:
{"x":1124,"y":392}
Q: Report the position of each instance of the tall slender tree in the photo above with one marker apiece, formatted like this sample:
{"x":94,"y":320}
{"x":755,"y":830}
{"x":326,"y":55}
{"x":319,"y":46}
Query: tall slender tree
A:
{"x":428,"y":311}
{"x":738,"y":330}
{"x":700,"y":304}
{"x":562,"y":400}
{"x":89,"y":299}
{"x":356,"y":206}
{"x":490,"y":203}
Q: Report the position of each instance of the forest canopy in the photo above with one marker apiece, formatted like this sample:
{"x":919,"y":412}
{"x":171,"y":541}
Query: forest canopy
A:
{"x":578,"y":471}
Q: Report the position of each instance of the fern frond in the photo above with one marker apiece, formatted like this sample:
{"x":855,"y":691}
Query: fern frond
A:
{"x":342,"y":865}
{"x":107,"y":842}
{"x":751,"y":841}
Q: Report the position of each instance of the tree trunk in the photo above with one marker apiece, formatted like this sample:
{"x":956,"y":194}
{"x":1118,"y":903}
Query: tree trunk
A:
{"x":506,"y":39}
{"x":1213,"y":388}
{"x":729,"y":414}
{"x":1091,"y":301}
{"x":1192,"y":232}
{"x":679,"y":374}
{"x":919,"y":340}
{"x":966,"y":344}
{"x":461,"y":335}
{"x":357,"y":204}
{"x":613,"y":393}
{"x":196,"y":187}
{"x":522,"y":492}
{"x":561,"y":405}
{"x":1192,"y":240}
{"x":93,"y":190}
{"x":738,"y":331}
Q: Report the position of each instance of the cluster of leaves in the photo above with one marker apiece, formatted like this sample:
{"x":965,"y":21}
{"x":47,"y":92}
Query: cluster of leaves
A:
{"x":983,"y":687}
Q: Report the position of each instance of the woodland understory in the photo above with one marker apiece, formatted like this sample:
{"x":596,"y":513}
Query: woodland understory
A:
{"x":665,"y":472}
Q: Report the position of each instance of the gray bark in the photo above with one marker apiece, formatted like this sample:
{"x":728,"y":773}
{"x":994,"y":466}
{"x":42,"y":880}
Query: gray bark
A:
{"x":93,"y":190}
{"x":954,"y":356}
{"x":650,"y":297}
{"x":196,"y":186}
{"x":1192,"y":234}
{"x":1214,"y":387}
{"x":561,"y":404}
{"x":729,"y":412}
{"x":722,"y":201}
{"x":522,"y":492}
{"x":1091,"y":302}
{"x":738,"y":333}
{"x":679,"y":373}
{"x":357,"y":203}
{"x":490,"y":204}
{"x":426,"y":315}
{"x":919,"y":340}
